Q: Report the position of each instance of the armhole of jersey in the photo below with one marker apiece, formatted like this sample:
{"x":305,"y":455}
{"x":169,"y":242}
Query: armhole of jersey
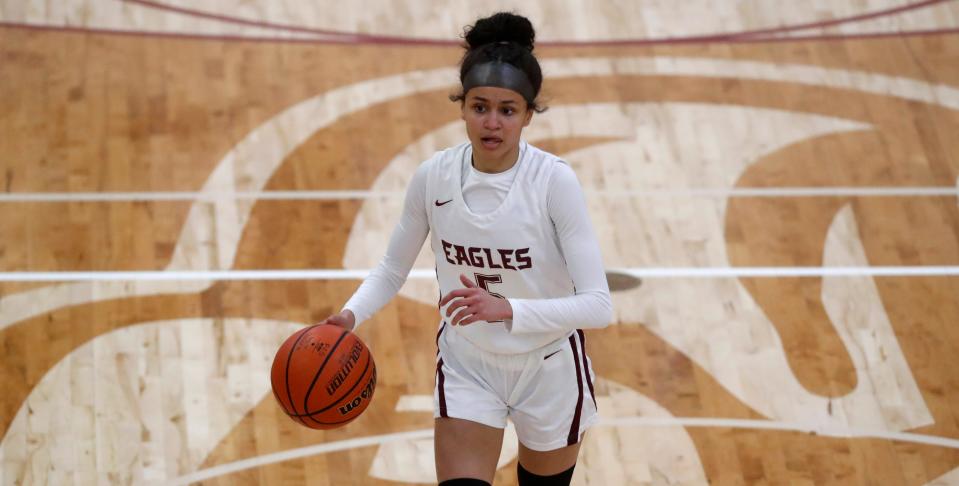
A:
{"x":430,"y":183}
{"x":426,"y":194}
{"x":548,"y":188}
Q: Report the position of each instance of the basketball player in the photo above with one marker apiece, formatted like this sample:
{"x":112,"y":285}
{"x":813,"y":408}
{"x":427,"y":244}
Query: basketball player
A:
{"x":519,"y":271}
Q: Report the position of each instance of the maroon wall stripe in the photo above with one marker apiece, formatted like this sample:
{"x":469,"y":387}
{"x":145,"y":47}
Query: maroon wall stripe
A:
{"x":735,"y":39}
{"x":574,"y":427}
{"x":357,"y":37}
{"x":589,"y":380}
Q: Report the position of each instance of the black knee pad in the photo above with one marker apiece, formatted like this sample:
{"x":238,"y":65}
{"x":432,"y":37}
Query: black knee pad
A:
{"x":464,"y":482}
{"x":527,"y":478}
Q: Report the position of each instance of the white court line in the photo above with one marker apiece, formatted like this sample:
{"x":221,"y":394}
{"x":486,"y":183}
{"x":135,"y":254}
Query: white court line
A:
{"x":190,"y":196}
{"x":289,"y":454}
{"x":232,"y":467}
{"x":359,"y":274}
{"x":14,"y":197}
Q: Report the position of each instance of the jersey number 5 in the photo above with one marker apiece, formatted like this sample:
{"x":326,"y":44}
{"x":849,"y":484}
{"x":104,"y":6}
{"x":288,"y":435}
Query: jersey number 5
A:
{"x":483,"y":281}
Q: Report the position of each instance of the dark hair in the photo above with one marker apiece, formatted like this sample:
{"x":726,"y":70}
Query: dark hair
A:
{"x":504,"y":37}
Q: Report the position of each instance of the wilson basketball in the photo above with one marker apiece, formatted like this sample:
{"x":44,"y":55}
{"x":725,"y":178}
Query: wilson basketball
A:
{"x":323,"y":376}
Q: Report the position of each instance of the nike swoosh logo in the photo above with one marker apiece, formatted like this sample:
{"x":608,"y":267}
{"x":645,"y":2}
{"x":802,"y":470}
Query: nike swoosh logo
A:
{"x":550,"y":355}
{"x":438,"y":203}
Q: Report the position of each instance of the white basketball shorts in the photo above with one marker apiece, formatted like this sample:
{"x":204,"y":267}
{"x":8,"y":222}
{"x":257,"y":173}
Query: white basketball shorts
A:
{"x":547,"y":393}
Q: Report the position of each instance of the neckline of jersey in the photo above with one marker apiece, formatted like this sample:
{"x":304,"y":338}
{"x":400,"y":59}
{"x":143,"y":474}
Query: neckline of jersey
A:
{"x":465,"y":161}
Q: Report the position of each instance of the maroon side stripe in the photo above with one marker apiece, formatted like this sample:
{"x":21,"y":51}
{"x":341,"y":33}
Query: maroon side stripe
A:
{"x":441,"y":380}
{"x":440,"y":331}
{"x":589,"y":380}
{"x":574,"y":428}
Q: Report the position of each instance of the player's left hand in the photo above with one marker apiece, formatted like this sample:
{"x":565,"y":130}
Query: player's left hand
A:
{"x":474,"y":304}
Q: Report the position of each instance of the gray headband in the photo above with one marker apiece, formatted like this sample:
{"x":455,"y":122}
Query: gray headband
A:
{"x":499,"y":74}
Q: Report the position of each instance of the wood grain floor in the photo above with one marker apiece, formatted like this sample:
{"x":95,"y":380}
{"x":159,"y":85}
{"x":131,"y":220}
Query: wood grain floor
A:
{"x":163,"y":137}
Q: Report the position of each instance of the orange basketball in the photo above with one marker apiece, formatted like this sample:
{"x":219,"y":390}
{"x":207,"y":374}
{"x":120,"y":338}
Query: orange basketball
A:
{"x":323,"y":376}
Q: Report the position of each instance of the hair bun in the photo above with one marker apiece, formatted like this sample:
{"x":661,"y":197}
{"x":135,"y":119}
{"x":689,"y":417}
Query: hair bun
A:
{"x":501,"y":27}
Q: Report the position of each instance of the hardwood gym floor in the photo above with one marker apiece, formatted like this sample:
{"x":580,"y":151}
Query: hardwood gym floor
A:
{"x":774,"y":185}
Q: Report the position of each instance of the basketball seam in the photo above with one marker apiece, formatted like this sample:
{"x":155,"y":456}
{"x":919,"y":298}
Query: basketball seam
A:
{"x":286,"y":375}
{"x":372,"y":377}
{"x":329,"y":354}
{"x":362,"y":374}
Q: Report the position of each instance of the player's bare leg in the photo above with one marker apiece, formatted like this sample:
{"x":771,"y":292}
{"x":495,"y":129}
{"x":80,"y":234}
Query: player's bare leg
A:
{"x":466,"y":449}
{"x":548,"y":463}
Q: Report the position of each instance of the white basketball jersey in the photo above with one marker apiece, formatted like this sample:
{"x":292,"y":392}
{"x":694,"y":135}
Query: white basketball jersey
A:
{"x":512,"y":252}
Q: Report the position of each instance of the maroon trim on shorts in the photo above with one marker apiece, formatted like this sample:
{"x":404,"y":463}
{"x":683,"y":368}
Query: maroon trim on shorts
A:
{"x":589,"y":380}
{"x":574,"y":427}
{"x":441,"y":380}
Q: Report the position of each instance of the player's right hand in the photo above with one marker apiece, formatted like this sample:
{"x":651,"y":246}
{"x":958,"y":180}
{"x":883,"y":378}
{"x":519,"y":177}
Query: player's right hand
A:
{"x":344,"y":319}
